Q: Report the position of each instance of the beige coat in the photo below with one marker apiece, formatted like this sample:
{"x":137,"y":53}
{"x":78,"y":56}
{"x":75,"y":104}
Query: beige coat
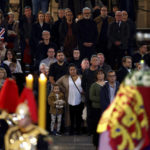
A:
{"x":64,"y":86}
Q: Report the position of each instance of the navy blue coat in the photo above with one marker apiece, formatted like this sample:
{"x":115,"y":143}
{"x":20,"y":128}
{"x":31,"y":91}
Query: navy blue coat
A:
{"x":104,"y":95}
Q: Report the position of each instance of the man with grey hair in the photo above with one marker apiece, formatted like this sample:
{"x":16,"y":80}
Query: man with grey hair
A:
{"x":87,"y":34}
{"x":43,"y":47}
{"x":89,"y":77}
{"x":118,"y":34}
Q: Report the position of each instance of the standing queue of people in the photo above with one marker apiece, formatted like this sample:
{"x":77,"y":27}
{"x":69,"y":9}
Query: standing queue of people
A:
{"x":86,"y":57}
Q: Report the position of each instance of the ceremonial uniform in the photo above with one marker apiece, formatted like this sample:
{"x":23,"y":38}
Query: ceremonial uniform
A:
{"x":30,"y":138}
{"x":6,"y":121}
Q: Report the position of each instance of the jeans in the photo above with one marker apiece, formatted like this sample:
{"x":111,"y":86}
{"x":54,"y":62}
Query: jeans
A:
{"x":40,"y":5}
{"x":53,"y":120}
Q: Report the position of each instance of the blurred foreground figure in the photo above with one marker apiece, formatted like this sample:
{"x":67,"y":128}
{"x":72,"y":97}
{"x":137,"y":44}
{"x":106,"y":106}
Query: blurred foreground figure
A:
{"x":125,"y":125}
{"x":8,"y":104}
{"x":26,"y":136}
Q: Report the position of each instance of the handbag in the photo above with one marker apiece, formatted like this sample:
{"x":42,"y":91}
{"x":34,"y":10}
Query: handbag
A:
{"x":82,"y":95}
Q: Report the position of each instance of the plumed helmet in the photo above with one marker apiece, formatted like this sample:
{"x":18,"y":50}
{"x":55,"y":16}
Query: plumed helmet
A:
{"x":9,"y":96}
{"x":27,"y":96}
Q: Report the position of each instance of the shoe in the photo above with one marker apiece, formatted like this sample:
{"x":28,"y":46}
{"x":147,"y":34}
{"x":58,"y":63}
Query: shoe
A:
{"x":53,"y":133}
{"x":58,"y":134}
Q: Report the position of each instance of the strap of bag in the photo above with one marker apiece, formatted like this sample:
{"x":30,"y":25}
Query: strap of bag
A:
{"x":76,"y":86}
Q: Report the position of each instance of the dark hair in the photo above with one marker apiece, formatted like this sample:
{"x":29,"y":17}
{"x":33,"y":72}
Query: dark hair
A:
{"x":104,"y":7}
{"x":110,"y":71}
{"x":55,"y":85}
{"x":71,"y":65}
{"x":125,"y":58}
{"x":51,"y":48}
{"x":13,"y":54}
{"x":76,"y":49}
{"x":59,"y":51}
{"x":141,"y":44}
{"x":100,"y":70}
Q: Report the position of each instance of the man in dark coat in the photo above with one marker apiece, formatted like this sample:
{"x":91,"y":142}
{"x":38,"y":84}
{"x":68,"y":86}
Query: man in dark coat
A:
{"x":87,"y":34}
{"x":141,"y":54}
{"x":25,"y":24}
{"x":125,"y":69}
{"x":118,"y":34}
{"x":89,"y":77}
{"x":102,"y":22}
{"x":68,"y":35}
{"x":36,"y":32}
{"x":132,"y":33}
{"x":43,"y":47}
{"x":55,"y":27}
{"x":109,"y":90}
{"x":102,"y":64}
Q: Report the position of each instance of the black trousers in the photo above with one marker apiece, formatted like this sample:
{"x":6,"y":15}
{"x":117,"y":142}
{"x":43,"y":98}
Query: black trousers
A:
{"x":115,"y":56}
{"x":75,"y":117}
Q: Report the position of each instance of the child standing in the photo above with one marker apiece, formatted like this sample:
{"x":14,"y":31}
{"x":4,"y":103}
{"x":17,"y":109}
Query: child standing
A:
{"x":56,"y":102}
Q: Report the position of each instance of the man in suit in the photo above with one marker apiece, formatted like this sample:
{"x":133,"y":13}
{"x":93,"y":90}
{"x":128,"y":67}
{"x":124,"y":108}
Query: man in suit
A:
{"x":109,"y":90}
{"x":118,"y":34}
{"x":102,"y":22}
{"x":125,"y":69}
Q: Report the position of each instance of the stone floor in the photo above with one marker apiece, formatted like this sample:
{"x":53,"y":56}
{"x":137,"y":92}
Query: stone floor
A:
{"x":72,"y":143}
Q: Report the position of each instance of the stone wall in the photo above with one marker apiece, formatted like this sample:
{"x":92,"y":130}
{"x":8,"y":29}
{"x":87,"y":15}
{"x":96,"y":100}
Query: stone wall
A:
{"x":143,"y":19}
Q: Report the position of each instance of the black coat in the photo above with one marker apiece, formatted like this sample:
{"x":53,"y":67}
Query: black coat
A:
{"x":137,"y":57}
{"x":121,"y":74}
{"x":63,"y":29}
{"x":55,"y":31}
{"x":36,"y":34}
{"x":87,"y":31}
{"x":104,"y":95}
{"x":41,"y":52}
{"x":25,"y":27}
{"x":116,"y":33}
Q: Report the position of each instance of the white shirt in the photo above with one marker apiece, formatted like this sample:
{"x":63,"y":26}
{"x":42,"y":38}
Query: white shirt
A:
{"x":18,"y":66}
{"x":74,"y":97}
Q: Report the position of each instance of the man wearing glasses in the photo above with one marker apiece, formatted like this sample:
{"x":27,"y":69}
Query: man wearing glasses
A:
{"x":118,"y":35}
{"x":87,"y":34}
{"x":109,"y":90}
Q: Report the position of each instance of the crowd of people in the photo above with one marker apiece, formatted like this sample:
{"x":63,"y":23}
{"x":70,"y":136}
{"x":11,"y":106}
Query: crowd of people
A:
{"x":84,"y":59}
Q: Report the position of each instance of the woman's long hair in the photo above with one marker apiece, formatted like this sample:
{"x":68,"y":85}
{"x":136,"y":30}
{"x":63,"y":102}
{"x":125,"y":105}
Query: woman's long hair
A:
{"x":14,"y":60}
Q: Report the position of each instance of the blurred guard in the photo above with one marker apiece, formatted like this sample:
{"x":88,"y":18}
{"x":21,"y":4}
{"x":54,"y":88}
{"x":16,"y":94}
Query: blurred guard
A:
{"x":26,"y":136}
{"x":8,"y":104}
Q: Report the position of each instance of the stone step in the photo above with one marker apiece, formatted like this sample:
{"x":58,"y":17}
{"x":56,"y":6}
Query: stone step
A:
{"x":72,"y":143}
